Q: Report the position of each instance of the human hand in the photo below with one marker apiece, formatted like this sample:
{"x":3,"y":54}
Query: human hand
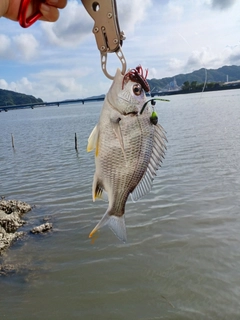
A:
{"x":49,"y":9}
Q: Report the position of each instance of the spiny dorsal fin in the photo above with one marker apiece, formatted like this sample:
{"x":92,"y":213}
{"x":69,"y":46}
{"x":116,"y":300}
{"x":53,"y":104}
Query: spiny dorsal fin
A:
{"x":158,"y":151}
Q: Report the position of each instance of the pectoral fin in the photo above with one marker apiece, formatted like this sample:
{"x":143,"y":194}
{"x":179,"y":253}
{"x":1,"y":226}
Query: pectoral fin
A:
{"x":93,"y":140}
{"x":117,"y":130}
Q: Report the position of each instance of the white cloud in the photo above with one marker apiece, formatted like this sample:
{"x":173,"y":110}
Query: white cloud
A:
{"x":152,"y":73}
{"x":222,"y":4}
{"x":202,"y":58}
{"x":3,"y":84}
{"x":71,"y":28}
{"x":207,"y":58}
{"x":68,"y":85}
{"x":232,"y":55}
{"x":54,"y":74}
{"x":75,"y":23}
{"x":22,"y":85}
{"x":25,"y":45}
{"x":175,"y":65}
{"x":132,"y":13}
{"x":174,"y":11}
{"x":24,"y":82}
{"x":5,"y":44}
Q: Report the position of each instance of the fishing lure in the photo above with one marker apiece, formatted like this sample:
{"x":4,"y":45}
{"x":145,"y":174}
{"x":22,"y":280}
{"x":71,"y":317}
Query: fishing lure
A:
{"x":154,"y":116}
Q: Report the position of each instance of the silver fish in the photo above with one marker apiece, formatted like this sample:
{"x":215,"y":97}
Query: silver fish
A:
{"x":128,"y":149}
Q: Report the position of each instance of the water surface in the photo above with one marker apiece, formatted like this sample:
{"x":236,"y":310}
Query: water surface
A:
{"x":182,"y":258}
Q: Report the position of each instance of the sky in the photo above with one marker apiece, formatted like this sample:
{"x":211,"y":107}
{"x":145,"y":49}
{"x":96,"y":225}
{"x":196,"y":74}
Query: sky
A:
{"x":58,"y":61}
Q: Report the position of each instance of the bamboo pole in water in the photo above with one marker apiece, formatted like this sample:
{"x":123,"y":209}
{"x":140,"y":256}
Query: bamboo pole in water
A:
{"x":12,"y":140}
{"x":76,"y":147}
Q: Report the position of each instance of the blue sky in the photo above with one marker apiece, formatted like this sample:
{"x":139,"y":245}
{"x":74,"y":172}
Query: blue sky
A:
{"x":57,"y":61}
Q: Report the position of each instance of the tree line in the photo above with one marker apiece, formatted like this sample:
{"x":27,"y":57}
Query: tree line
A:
{"x":195,"y":86}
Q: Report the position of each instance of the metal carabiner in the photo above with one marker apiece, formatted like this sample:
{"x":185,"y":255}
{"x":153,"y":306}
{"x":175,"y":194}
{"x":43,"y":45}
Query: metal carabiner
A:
{"x":22,"y":16}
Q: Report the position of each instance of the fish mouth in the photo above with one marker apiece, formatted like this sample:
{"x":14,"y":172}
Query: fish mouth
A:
{"x":131,"y":113}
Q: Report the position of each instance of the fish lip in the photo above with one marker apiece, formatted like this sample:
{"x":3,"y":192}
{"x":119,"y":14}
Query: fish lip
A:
{"x":131,"y":113}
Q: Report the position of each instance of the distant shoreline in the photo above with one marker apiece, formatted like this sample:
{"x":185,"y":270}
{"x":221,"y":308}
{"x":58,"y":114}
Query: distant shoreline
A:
{"x":101,"y":97}
{"x":220,"y":88}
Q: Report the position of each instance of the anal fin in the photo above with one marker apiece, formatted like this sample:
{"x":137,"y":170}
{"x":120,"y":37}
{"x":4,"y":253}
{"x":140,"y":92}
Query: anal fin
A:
{"x":97,"y":190}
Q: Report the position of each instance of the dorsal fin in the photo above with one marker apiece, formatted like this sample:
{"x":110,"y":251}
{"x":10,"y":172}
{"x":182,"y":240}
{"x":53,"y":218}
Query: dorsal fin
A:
{"x":159,"y":147}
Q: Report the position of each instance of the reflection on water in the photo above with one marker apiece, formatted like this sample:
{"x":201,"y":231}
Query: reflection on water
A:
{"x":182,"y":259}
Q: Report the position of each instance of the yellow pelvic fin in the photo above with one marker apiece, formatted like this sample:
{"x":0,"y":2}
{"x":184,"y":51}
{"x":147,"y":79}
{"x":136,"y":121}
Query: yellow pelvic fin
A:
{"x":93,"y":139}
{"x":97,"y":148}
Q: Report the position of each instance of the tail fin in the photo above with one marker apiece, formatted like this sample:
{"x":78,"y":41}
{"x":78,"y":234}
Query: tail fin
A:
{"x":115,"y":223}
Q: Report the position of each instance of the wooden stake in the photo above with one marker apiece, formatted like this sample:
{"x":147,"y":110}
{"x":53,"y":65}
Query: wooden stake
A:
{"x":76,"y":147}
{"x":12,"y":140}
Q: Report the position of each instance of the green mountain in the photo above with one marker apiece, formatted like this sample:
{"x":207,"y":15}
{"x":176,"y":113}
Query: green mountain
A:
{"x":8,"y":97}
{"x":211,"y":75}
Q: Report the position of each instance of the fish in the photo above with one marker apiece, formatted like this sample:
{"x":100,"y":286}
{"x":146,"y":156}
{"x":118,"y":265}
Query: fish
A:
{"x":129,"y":148}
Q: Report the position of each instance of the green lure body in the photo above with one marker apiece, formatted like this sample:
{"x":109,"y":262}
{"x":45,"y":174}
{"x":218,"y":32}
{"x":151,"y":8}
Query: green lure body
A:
{"x":154,"y":118}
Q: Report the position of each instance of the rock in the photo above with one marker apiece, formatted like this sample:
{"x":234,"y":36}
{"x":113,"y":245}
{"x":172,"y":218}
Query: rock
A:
{"x":14,"y":267}
{"x":6,"y":269}
{"x":11,"y":212}
{"x":42,"y":228}
{"x":10,"y":221}
{"x":7,"y":238}
{"x":9,"y":206}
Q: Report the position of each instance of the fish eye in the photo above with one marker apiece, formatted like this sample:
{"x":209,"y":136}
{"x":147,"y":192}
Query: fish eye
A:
{"x":137,"y":89}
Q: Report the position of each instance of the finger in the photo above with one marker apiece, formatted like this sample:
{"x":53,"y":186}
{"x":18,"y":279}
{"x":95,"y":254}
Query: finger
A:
{"x":57,"y":3}
{"x":49,"y":13}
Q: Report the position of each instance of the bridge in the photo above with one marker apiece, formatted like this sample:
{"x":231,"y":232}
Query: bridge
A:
{"x":33,"y":105}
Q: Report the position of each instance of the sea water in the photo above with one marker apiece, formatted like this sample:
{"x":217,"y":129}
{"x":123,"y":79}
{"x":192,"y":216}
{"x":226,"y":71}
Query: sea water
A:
{"x":182,"y":258}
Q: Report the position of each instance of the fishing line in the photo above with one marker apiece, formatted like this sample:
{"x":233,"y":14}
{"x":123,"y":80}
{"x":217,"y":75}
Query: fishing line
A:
{"x":154,"y":116}
{"x":152,"y":103}
{"x":205,"y":81}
